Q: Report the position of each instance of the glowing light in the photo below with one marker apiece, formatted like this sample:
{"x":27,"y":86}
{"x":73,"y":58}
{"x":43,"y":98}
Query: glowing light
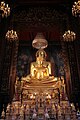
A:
{"x":76,"y":9}
{"x":5,"y":9}
{"x":69,"y":36}
{"x":11,"y":35}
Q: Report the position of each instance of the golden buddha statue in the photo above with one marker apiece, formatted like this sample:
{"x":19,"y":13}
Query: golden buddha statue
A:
{"x":40,"y":69}
{"x":40,"y":83}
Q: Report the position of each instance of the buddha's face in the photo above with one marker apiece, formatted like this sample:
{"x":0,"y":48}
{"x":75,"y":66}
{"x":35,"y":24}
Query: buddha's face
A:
{"x":40,"y":59}
{"x":40,"y":55}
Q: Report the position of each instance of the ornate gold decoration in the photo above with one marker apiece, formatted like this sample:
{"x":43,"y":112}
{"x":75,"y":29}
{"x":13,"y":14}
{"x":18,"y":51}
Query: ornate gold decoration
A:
{"x":39,"y":88}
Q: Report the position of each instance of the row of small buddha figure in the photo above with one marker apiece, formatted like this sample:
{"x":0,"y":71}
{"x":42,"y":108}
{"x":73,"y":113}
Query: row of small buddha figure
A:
{"x":62,"y":111}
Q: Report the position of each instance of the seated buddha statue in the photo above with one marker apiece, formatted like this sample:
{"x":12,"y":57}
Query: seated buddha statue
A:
{"x":41,"y":68}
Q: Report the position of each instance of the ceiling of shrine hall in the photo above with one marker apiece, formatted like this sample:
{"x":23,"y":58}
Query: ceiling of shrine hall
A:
{"x":51,"y":17}
{"x":39,"y":1}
